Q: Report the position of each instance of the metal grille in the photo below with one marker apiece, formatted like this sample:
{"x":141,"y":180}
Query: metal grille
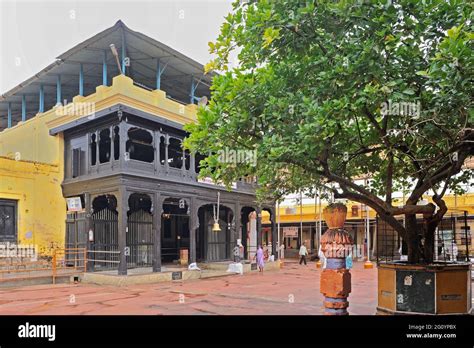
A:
{"x":76,"y":236}
{"x":452,"y":240}
{"x":389,"y":244}
{"x":218,"y":243}
{"x":140,"y":239}
{"x":104,"y":251}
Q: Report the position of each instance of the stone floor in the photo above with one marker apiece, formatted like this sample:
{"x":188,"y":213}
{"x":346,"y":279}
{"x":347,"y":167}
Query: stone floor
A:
{"x":292,"y":290}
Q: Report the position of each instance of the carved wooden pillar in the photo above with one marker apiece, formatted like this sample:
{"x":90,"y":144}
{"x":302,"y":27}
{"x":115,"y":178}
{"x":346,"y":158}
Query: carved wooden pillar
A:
{"x":112,"y":136}
{"x":192,"y":165}
{"x":238,"y":223}
{"x":157,"y":213}
{"x":97,"y":154}
{"x":167,"y":143}
{"x":122,"y":207}
{"x":123,"y":134}
{"x":89,"y":226}
{"x":183,"y":164}
{"x":193,"y":226}
{"x":156,"y":152}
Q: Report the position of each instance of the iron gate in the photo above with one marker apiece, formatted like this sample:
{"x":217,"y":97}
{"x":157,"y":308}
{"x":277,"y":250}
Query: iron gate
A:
{"x":76,"y":236}
{"x":140,"y":239}
{"x":104,"y":250}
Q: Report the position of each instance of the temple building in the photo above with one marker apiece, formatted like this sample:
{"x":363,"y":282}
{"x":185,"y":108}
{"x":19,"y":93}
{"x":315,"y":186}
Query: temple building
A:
{"x":91,"y":157}
{"x":299,"y":219}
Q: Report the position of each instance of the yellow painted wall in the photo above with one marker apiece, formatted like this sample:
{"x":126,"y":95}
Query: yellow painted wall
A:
{"x":309,"y":214}
{"x":40,"y":206}
{"x":32,"y":161}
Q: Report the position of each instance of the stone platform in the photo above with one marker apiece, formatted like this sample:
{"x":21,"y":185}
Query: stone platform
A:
{"x":168,"y":273}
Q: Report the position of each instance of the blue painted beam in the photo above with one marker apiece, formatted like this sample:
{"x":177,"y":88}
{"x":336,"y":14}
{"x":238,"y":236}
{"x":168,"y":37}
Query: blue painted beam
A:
{"x":81,"y":80}
{"x":192,"y":91}
{"x":58,"y":89}
{"x":123,"y":53}
{"x":41,"y":98}
{"x":9,"y":125}
{"x":160,"y":69}
{"x":158,"y":74}
{"x":104,"y":69}
{"x":23,"y":108}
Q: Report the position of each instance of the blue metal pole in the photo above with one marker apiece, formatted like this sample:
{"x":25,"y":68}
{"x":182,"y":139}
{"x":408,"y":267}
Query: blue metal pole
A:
{"x":158,"y":74}
{"x":23,"y":108}
{"x":192,"y":90}
{"x":104,"y":69}
{"x":9,"y":115}
{"x":81,"y":80}
{"x":58,"y":89}
{"x":123,"y":53}
{"x":41,"y":98}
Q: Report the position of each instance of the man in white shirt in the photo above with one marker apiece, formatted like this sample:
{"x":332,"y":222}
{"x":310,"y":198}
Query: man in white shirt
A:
{"x":282,"y":251}
{"x":303,"y":252}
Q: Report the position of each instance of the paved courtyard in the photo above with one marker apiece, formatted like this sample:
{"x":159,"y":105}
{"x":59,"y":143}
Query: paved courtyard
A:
{"x":292,"y":290}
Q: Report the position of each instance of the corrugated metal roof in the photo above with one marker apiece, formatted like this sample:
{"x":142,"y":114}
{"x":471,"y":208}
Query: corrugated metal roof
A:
{"x":143,"y":52}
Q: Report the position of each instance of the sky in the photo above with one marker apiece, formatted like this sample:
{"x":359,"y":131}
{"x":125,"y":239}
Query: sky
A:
{"x":34,"y":33}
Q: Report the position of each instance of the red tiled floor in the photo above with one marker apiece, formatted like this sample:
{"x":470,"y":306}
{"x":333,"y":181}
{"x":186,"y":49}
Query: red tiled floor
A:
{"x":292,"y":290}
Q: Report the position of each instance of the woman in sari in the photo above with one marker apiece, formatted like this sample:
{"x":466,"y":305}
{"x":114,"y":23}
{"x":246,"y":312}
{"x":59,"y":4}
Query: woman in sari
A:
{"x":260,"y":258}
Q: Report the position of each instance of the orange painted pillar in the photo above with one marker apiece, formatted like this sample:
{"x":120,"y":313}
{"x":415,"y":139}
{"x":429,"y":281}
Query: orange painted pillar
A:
{"x":335,"y":283}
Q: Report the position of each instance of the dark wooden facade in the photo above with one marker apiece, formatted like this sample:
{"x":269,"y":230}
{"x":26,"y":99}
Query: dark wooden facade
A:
{"x":133,"y":161}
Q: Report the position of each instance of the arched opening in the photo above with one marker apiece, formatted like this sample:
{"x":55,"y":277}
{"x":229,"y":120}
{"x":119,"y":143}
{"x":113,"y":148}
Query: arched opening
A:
{"x":175,"y":153}
{"x":104,"y":244}
{"x":140,"y":145}
{"x":139,"y":234}
{"x":104,"y":145}
{"x":214,"y":246}
{"x":197,"y":162}
{"x":174,"y":229}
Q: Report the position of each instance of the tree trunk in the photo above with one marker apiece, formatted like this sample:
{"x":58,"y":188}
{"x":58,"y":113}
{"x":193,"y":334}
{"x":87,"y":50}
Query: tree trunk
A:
{"x":430,"y":223}
{"x":413,"y":239}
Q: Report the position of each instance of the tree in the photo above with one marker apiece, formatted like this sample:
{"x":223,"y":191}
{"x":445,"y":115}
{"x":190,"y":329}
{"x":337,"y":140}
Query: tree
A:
{"x":330,"y":91}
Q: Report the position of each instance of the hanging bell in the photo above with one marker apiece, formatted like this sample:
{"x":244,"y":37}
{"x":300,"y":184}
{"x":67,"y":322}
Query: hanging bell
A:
{"x":216,"y":227}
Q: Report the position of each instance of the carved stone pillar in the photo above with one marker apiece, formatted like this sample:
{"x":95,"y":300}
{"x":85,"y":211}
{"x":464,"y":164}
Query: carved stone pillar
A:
{"x":274,"y":234}
{"x":259,"y":226}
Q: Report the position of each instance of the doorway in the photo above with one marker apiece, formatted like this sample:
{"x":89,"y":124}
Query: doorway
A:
{"x":8,"y":224}
{"x":174,"y":229}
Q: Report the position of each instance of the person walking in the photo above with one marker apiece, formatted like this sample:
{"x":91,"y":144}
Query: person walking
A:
{"x":303,"y":252}
{"x":260,"y":258}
